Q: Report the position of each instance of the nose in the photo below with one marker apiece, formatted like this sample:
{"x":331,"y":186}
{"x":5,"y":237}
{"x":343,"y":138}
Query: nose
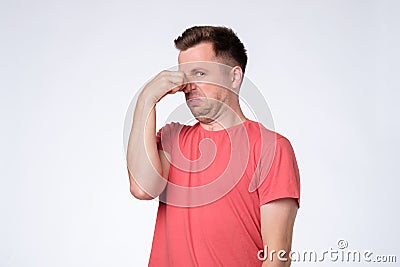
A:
{"x":189,"y":87}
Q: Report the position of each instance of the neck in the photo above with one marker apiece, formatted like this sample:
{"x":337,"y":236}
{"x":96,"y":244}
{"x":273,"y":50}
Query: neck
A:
{"x":226,"y":120}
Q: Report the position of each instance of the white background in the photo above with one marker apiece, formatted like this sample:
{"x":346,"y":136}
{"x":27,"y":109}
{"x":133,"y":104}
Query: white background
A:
{"x":69,"y":69}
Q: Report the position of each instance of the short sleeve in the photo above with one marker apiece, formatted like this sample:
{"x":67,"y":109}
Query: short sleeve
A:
{"x":167,"y":135}
{"x":282,"y":179}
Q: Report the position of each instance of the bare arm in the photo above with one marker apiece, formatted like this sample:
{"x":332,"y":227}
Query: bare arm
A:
{"x":277,"y":221}
{"x":146,"y":165}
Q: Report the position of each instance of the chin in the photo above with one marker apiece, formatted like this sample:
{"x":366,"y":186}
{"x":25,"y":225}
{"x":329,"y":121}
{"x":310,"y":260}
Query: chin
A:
{"x":200,"y":113}
{"x":203,"y":119}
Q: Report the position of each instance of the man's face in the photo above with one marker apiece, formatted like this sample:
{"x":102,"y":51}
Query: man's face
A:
{"x":207,"y":94}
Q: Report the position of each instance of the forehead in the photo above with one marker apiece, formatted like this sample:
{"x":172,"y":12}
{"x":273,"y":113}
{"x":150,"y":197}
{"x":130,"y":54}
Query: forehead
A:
{"x":200,"y":57}
{"x":200,"y":52}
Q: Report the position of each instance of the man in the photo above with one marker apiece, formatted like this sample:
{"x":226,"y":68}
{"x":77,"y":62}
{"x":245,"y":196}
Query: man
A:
{"x":228,"y":187}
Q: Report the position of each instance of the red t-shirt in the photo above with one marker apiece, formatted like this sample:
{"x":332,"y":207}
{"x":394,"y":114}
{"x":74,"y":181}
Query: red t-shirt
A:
{"x":217,"y":182}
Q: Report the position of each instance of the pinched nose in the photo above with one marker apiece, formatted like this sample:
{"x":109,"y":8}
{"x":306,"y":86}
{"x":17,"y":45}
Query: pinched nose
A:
{"x":189,"y":87}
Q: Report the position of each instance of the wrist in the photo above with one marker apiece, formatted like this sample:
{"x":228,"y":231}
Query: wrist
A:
{"x":147,"y":99}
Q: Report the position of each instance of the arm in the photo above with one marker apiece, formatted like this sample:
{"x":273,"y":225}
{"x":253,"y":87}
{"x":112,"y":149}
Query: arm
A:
{"x":277,"y":220}
{"x":146,"y":165}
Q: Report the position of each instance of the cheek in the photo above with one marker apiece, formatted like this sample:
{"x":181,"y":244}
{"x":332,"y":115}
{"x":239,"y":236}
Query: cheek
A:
{"x":212,"y":91}
{"x":222,"y":94}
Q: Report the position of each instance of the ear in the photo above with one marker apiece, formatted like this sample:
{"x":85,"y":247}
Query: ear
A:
{"x":236,"y":75}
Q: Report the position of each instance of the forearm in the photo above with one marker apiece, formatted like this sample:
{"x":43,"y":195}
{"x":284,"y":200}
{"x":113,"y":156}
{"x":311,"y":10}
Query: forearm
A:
{"x":277,"y":221}
{"x":276,"y":262}
{"x":143,"y":161}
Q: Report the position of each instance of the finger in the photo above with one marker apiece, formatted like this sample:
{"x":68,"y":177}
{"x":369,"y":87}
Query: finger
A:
{"x":177,"y":88}
{"x":176,"y":81}
{"x":168,"y":73}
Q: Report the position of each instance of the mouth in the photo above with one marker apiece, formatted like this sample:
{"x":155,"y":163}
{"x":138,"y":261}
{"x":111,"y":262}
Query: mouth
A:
{"x":194,"y":100}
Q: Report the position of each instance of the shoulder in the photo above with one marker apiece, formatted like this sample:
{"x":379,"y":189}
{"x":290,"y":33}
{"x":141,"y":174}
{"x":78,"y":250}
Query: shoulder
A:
{"x":173,"y":128}
{"x":260,"y":133}
{"x":172,"y":125}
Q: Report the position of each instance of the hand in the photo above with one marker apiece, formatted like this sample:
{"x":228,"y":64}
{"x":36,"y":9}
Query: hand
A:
{"x":166,"y":82}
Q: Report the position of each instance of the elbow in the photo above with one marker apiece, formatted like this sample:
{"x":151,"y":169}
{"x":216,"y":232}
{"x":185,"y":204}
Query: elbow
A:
{"x":140,"y":194}
{"x":136,"y":191}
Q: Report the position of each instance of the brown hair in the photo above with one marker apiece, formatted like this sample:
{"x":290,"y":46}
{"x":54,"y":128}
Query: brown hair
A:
{"x":225,"y":42}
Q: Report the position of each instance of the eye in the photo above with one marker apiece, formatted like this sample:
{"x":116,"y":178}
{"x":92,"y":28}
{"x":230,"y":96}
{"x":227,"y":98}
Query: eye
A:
{"x":200,"y":74}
